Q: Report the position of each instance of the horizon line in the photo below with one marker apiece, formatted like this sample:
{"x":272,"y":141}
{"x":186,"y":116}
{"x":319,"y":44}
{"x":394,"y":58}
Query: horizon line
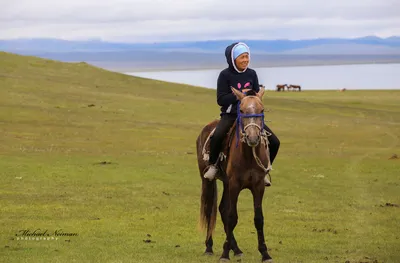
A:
{"x":192,"y":41}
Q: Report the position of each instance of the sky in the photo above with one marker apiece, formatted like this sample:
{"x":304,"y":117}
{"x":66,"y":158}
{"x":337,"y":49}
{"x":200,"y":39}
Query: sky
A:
{"x":183,"y":20}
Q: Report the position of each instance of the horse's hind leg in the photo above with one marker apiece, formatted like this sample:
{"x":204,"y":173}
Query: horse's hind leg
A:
{"x":208,"y":194}
{"x":208,"y":211}
{"x":209,"y":245}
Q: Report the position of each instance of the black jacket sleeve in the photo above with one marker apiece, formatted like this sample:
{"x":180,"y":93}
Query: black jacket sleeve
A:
{"x":225,"y":96}
{"x":256,"y":85}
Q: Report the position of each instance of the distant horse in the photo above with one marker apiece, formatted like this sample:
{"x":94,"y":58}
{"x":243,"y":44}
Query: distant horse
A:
{"x":281,"y":87}
{"x":294,"y":87}
{"x":243,"y":167}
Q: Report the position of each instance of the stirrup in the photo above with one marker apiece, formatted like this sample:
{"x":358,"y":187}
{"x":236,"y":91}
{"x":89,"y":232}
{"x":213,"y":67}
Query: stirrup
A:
{"x":211,"y":172}
{"x":267,"y":182}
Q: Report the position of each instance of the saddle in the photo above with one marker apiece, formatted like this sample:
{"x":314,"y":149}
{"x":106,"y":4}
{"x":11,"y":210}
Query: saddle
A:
{"x":226,"y":144}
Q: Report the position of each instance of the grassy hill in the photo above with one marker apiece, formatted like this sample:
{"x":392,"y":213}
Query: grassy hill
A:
{"x":110,"y":157}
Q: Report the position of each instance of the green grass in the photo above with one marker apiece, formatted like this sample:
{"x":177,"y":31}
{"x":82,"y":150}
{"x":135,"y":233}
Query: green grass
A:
{"x":331,"y":180}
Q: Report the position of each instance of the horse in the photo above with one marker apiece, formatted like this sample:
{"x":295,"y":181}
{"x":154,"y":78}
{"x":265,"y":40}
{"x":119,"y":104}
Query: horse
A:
{"x":294,"y":87}
{"x":243,"y":167}
{"x":281,"y":87}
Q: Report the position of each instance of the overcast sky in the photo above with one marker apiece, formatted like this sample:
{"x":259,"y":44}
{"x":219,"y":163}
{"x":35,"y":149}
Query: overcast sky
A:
{"x":170,"y":20}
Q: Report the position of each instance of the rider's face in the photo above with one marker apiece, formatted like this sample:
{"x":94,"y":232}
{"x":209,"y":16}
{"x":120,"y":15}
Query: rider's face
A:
{"x":242,"y":61}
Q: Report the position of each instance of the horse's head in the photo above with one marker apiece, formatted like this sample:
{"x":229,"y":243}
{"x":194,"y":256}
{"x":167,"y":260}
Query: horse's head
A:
{"x":250,"y":115}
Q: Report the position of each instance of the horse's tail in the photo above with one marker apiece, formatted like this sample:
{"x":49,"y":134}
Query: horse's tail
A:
{"x":208,"y":208}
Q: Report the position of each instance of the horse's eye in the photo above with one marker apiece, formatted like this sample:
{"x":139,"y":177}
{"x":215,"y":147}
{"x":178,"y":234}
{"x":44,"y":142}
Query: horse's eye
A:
{"x":241,"y":111}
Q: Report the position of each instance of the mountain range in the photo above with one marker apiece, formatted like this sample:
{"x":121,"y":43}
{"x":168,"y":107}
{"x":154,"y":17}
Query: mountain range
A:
{"x":364,"y":45}
{"x":369,"y":49}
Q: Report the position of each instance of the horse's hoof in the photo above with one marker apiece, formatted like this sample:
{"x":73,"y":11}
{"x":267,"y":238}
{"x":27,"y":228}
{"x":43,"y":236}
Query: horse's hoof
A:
{"x":266,"y":259}
{"x":237,"y":252}
{"x":208,"y":253}
{"x":224,"y":260}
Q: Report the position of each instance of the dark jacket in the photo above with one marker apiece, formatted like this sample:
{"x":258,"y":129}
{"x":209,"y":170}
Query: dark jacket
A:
{"x":231,"y":77}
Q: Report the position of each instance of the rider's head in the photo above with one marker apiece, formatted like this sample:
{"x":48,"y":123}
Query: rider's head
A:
{"x":241,"y":56}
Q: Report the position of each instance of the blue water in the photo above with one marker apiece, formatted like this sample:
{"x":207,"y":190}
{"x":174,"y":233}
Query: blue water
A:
{"x":366,"y":76}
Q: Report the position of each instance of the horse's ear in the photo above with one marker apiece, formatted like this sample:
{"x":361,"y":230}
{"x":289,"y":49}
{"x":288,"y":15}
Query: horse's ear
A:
{"x":238,"y":93}
{"x":260,"y":94}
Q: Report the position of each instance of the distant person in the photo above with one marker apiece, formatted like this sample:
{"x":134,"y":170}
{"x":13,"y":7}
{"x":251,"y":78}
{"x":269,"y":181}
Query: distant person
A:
{"x":239,"y":76}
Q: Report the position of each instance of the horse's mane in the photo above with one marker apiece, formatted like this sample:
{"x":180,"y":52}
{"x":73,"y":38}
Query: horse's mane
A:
{"x":251,"y":93}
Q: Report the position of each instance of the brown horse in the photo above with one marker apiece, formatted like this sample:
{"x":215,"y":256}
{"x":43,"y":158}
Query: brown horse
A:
{"x":294,"y":87}
{"x":281,"y":87}
{"x":242,"y":168}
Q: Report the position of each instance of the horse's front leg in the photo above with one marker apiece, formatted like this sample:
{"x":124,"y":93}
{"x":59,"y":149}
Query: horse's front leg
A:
{"x":231,"y":219}
{"x":258,"y":193}
{"x":223,"y":209}
{"x":234,"y":246}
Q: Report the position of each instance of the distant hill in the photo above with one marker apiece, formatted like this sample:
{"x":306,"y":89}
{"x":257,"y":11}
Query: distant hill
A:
{"x":346,"y":49}
{"x":53,"y":85}
{"x":208,"y":54}
{"x":337,"y":45}
{"x":151,"y":60}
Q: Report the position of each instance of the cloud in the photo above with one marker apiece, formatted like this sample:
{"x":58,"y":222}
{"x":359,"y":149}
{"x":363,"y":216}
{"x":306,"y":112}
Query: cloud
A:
{"x":158,"y":20}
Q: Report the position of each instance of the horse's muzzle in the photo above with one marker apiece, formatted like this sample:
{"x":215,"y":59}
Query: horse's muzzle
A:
{"x":253,"y":140}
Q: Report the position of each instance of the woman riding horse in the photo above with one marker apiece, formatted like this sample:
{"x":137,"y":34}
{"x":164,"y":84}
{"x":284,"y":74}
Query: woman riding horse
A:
{"x":239,"y":76}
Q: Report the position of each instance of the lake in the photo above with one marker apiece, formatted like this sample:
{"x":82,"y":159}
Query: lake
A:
{"x":331,"y":77}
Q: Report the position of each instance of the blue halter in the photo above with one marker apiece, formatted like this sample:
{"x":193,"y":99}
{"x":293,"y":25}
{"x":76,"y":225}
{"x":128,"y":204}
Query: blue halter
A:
{"x":239,"y":124}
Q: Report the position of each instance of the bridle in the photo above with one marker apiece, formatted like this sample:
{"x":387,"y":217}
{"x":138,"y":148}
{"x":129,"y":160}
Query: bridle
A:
{"x":242,"y":130}
{"x":244,"y":138}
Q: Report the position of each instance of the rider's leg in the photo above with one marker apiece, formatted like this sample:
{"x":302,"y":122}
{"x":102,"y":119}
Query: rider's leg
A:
{"x":216,"y":141}
{"x":274,"y":145}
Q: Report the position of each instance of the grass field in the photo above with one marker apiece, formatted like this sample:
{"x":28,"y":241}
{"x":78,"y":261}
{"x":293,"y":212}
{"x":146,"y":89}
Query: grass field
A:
{"x":112,"y":158}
